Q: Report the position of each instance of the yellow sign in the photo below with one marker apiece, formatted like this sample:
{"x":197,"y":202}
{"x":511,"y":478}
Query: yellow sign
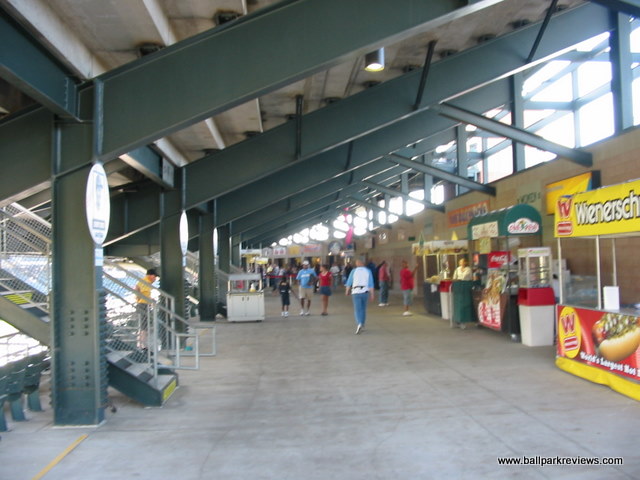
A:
{"x":569,"y":332}
{"x":568,"y":186}
{"x":606,"y":211}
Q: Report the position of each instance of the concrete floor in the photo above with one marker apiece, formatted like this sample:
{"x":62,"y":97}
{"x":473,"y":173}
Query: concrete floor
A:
{"x":305,"y":398}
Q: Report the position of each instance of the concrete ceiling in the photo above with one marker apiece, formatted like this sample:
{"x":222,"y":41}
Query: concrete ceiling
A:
{"x":95,"y":36}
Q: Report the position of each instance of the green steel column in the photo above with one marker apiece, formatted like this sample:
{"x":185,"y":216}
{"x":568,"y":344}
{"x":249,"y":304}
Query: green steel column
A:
{"x":172,"y":260}
{"x":517,"y":120}
{"x":208,"y":291}
{"x":224,"y":248}
{"x":462,"y":159}
{"x":427,"y":179}
{"x":621,"y":71}
{"x":79,"y":383}
{"x":236,"y":243}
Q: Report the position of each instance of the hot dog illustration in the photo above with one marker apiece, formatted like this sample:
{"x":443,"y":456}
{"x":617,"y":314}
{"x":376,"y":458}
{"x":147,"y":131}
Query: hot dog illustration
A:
{"x":617,"y":336}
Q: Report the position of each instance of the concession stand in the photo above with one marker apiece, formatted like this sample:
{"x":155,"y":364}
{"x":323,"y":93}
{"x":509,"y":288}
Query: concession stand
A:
{"x":495,"y":238}
{"x":439,"y":260}
{"x":599,"y":340}
{"x":536,"y":299}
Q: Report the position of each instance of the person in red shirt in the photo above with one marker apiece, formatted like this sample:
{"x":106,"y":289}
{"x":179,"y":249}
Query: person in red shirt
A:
{"x":406,"y":285}
{"x":384,"y":279}
{"x":325,"y":279}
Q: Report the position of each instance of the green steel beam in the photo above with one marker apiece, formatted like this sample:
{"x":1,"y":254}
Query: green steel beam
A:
{"x":332,"y":190}
{"x":396,"y":193}
{"x":330,"y":166}
{"x":364,"y":203}
{"x":26,"y":143}
{"x":436,"y":172}
{"x":490,"y":125}
{"x":140,"y":244}
{"x":329,"y":173}
{"x":226,"y":66}
{"x":25,"y":64}
{"x":302,"y":218}
{"x":266,"y":236}
{"x":132,"y":213}
{"x":212,"y":176}
{"x":630,"y":7}
{"x":153,"y":165}
{"x":378,"y":107}
{"x":297,"y":197}
{"x":287,"y":217}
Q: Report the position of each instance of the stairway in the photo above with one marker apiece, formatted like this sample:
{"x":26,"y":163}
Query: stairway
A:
{"x":24,"y":270}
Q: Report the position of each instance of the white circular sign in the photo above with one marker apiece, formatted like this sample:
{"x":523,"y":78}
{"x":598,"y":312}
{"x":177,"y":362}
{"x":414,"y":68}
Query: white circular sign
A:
{"x":184,"y":232}
{"x":98,"y":203}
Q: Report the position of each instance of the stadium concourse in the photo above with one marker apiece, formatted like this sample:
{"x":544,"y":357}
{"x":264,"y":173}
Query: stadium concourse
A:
{"x":305,"y":398}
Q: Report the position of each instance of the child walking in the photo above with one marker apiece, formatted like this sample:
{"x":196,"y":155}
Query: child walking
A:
{"x":284,"y":288}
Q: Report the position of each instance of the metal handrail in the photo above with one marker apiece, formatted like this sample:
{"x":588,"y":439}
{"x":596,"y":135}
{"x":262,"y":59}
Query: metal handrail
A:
{"x":24,"y":233}
{"x":14,"y":346}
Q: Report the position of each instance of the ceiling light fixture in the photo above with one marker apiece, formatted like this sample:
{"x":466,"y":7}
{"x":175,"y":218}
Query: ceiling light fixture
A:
{"x":374,"y":61}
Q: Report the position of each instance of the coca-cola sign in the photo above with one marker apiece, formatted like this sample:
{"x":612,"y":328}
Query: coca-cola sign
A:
{"x":498,"y":259}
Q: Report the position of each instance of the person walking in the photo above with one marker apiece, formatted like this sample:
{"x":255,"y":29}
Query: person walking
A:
{"x":346,"y":271}
{"x":335,"y":272}
{"x":285,"y":289}
{"x":324,"y":279}
{"x":372,"y":266}
{"x":306,"y":277}
{"x":383,"y":280}
{"x":360,"y":286}
{"x":406,"y":285}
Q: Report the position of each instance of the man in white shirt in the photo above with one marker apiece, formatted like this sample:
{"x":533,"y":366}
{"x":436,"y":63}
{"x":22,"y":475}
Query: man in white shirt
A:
{"x":360,"y":286}
{"x":463,"y":272}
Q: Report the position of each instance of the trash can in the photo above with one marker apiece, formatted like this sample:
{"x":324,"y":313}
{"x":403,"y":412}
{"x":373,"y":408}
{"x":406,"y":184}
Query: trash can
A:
{"x":537,"y":316}
{"x":445,"y":299}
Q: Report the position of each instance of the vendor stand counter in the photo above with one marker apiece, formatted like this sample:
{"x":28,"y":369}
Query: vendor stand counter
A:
{"x":439,"y":260}
{"x":245,"y":298}
{"x":601,"y":343}
{"x":495,"y":238}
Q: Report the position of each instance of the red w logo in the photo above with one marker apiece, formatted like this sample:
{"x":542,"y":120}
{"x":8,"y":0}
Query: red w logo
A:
{"x":568,"y":322}
{"x":564,"y":206}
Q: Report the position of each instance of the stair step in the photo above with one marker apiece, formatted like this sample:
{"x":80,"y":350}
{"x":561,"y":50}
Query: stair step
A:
{"x":116,"y":355}
{"x":138,"y":369}
{"x":167,"y":385}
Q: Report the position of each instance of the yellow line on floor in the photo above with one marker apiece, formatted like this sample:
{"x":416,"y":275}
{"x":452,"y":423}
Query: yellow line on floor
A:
{"x":57,"y":460}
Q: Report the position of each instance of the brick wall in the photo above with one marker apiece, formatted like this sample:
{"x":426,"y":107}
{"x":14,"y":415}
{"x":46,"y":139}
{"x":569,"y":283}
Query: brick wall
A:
{"x":617,"y":159}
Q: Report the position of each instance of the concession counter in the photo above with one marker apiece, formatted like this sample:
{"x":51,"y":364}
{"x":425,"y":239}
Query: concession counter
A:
{"x":599,"y":334}
{"x":495,"y":239}
{"x":439,"y":260}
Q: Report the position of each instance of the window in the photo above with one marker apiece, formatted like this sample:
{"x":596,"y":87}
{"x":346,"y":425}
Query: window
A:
{"x":596,"y":120}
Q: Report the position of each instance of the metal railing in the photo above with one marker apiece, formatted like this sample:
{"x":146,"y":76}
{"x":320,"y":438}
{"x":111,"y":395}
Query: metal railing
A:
{"x":25,"y":278}
{"x":25,"y":256}
{"x":14,"y":346}
{"x":152,"y":320}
